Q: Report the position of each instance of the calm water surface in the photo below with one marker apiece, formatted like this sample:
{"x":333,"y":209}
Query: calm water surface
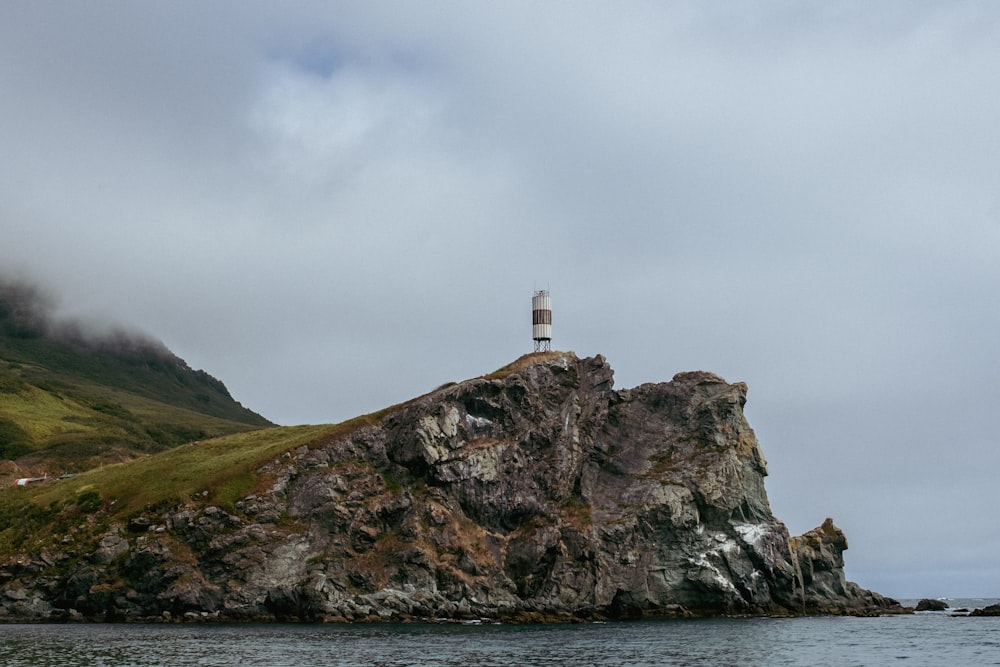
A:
{"x":921,"y":639}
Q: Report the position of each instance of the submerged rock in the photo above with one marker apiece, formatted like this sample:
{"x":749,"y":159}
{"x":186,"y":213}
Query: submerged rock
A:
{"x":537,"y":493}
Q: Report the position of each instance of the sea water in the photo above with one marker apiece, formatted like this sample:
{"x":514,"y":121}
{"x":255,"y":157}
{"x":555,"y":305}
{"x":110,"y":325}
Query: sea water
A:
{"x":929,"y":638}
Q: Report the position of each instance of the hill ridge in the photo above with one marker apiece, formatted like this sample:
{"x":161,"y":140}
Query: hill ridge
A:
{"x":71,"y":398}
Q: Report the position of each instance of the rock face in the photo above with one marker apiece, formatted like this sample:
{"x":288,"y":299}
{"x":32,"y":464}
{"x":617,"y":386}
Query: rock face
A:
{"x":538,"y":493}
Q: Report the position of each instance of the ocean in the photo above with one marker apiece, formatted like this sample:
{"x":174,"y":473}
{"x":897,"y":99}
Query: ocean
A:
{"x":927,"y":638}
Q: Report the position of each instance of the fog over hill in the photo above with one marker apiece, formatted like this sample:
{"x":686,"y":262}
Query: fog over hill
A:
{"x":75,"y":394}
{"x":28,"y":311}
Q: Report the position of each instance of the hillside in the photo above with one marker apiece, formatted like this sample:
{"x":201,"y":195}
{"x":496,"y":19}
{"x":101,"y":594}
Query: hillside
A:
{"x":71,"y":400}
{"x":538,"y":492}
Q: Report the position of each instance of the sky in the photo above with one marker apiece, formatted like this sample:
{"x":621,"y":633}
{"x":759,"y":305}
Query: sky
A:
{"x":336,"y":206}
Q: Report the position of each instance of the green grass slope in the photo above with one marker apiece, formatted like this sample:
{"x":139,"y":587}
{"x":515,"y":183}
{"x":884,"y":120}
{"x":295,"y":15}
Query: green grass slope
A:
{"x":70,"y":401}
{"x":217,"y":471}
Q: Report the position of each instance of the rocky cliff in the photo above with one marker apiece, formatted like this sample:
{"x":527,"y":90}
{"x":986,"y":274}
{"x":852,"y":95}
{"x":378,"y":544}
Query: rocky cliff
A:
{"x":537,"y":493}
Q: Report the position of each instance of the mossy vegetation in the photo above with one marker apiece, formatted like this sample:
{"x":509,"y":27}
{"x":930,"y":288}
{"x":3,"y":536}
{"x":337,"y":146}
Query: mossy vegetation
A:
{"x":577,"y":512}
{"x":524,"y":361}
{"x":374,"y":568}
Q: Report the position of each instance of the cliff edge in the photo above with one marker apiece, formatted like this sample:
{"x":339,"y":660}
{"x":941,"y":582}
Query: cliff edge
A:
{"x":536,"y":493}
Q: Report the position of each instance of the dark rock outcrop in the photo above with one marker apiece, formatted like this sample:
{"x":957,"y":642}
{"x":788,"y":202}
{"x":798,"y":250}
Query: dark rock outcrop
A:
{"x":928,"y":604}
{"x":991,"y":610}
{"x":538,"y":493}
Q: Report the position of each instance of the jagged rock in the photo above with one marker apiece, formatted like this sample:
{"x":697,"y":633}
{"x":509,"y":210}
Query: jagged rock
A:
{"x":818,"y":557}
{"x":113,"y":545}
{"x":537,"y":493}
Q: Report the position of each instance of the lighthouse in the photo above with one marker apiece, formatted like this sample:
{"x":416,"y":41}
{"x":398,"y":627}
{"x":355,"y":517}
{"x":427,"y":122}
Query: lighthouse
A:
{"x":541,"y":321}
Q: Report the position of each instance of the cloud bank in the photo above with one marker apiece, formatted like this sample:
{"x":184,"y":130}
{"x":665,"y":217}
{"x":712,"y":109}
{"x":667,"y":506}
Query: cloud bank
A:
{"x":337,"y":207}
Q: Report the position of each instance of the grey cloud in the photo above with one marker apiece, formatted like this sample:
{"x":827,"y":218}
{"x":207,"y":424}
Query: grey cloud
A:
{"x":335,"y":208}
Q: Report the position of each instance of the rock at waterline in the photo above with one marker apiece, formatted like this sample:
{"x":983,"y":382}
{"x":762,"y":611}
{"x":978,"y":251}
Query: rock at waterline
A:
{"x":992,"y":610}
{"x":928,"y":604}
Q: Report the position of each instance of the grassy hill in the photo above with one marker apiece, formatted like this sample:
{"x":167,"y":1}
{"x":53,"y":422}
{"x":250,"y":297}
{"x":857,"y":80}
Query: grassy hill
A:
{"x":211,"y":471}
{"x":70,"y":401}
{"x":218,"y":471}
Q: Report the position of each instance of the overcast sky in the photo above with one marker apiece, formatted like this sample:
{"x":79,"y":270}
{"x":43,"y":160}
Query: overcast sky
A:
{"x":337,"y":206}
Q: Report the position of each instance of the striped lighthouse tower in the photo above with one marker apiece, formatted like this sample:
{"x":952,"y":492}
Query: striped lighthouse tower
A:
{"x":541,"y":321}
